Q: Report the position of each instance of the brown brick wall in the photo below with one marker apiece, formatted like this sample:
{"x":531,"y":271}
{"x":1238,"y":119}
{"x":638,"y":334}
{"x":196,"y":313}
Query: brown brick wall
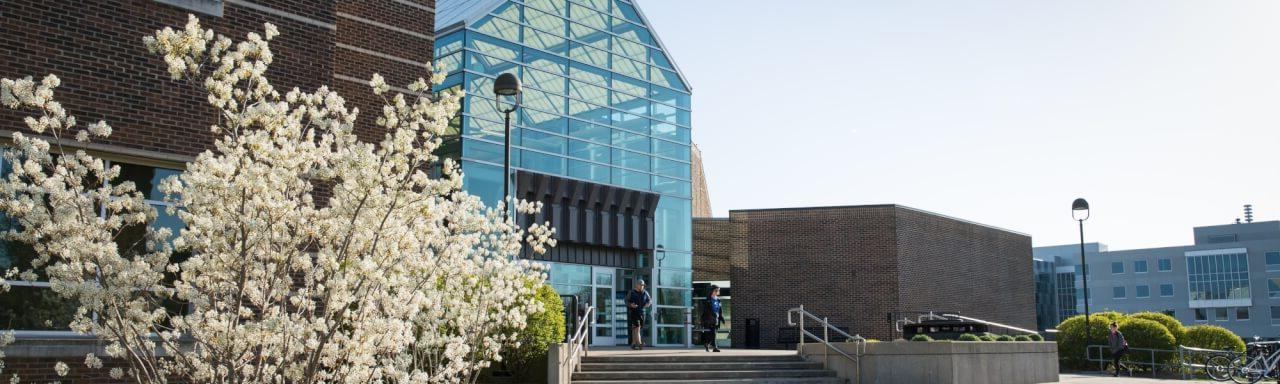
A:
{"x":712,"y":248}
{"x":857,"y":264}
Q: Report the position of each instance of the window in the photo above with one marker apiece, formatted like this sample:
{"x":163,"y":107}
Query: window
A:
{"x":1273,"y":261}
{"x":1218,"y":275}
{"x":1273,"y":287}
{"x":29,"y":303}
{"x":1230,"y":238}
{"x":1117,"y":267}
{"x":1140,"y":266}
{"x":1117,"y":293}
{"x":1202,"y":315}
{"x":1164,"y":265}
{"x":1169,"y":312}
{"x":1220,"y":314}
{"x":1166,"y":290}
{"x":207,"y":7}
{"x":1142,"y":291}
{"x":1242,"y":313}
{"x":1275,"y":315}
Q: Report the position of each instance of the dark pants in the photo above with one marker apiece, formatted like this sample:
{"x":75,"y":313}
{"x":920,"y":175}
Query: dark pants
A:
{"x":1115,"y":358}
{"x":634,"y":319}
{"x":709,"y":335}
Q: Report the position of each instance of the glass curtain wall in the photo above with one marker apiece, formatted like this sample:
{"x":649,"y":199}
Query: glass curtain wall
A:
{"x":601,"y":103}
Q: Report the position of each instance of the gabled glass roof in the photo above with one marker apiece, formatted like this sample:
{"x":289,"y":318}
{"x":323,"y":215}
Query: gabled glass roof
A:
{"x":450,"y":13}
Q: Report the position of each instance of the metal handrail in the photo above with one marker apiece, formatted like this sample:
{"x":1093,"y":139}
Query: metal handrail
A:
{"x":860,"y":345}
{"x":579,"y":339}
{"x":991,"y":323}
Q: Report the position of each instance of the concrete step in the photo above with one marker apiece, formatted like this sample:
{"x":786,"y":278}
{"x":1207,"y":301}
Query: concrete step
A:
{"x":686,"y":358}
{"x":703,"y":366}
{"x":773,"y":380}
{"x":700,"y":375}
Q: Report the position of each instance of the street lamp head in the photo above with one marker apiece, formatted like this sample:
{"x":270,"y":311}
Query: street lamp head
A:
{"x":1080,"y":209}
{"x":507,"y":84}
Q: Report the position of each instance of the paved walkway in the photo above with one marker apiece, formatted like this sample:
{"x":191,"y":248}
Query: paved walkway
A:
{"x":1076,"y":378}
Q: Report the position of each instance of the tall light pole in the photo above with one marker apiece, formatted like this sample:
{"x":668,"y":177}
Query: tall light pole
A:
{"x":1080,"y":212}
{"x":506,"y":85}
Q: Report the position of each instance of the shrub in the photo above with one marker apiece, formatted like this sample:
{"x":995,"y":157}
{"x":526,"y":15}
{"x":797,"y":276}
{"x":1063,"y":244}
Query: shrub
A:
{"x":1072,"y":340}
{"x":1143,"y":333}
{"x":921,"y":338}
{"x":968,"y":337}
{"x":1004,"y":338}
{"x":541,"y":330}
{"x":1212,"y":337}
{"x":1036,"y":337}
{"x":988,"y":337}
{"x":1173,"y":325}
{"x":1022,"y":338}
{"x":1110,"y":316}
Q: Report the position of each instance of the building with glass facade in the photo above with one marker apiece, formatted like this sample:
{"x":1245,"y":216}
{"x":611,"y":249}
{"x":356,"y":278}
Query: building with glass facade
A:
{"x":1219,"y":279}
{"x":601,"y":137}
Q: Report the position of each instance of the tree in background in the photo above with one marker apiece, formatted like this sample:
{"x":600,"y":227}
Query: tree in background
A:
{"x":393,"y":274}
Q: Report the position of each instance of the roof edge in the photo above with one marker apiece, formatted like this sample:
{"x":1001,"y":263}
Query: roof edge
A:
{"x":731,"y":211}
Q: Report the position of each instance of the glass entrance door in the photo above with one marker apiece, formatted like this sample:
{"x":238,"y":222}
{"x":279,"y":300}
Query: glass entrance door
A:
{"x":602,"y":299}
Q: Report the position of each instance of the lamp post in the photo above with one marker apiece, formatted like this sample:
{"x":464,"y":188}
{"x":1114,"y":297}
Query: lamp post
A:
{"x":506,"y":85}
{"x":1080,"y":212}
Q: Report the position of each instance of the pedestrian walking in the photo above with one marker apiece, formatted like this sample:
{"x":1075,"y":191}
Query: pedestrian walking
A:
{"x":637,"y":300}
{"x":1119,"y":348}
{"x":711,"y":319}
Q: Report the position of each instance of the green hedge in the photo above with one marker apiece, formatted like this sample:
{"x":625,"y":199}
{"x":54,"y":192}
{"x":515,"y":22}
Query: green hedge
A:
{"x":1072,"y":340}
{"x":541,"y":330}
{"x":1212,"y":337}
{"x":1022,"y":338}
{"x":921,"y":338}
{"x":1036,"y":337}
{"x":1004,"y":338}
{"x":988,"y":337}
{"x":1173,"y":325}
{"x":968,"y":337}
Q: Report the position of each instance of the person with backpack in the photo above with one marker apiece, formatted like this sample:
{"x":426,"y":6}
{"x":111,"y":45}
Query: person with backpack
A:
{"x":637,"y":300}
{"x":1119,"y":347}
{"x":711,"y":319}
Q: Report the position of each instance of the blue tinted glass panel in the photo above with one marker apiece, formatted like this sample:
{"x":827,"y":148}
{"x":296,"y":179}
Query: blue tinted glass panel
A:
{"x":500,"y":28}
{"x":448,"y":43}
{"x":1164,"y":265}
{"x":493,"y":47}
{"x":631,"y":179}
{"x":631,"y":160}
{"x":1140,"y":266}
{"x":665,"y":113}
{"x":544,"y":81}
{"x":1117,"y":292}
{"x":589,"y":151}
{"x":451,"y":63}
{"x":670,"y":132}
{"x":544,"y":121}
{"x":479,"y":150}
{"x":1117,"y":267}
{"x":1142,"y":291}
{"x":546,"y":62}
{"x":542,"y":162}
{"x":628,"y":67}
{"x":543,"y":101}
{"x":589,"y":93}
{"x":632,"y":104}
{"x":482,"y":129}
{"x":589,"y":36}
{"x":630,"y":49}
{"x":589,"y":55}
{"x":589,"y":112}
{"x":629,"y":85}
{"x":666,"y":78}
{"x":1273,"y":258}
{"x":658,"y":58}
{"x":556,"y":7}
{"x":626,"y":11}
{"x":591,"y":132}
{"x":588,"y":171}
{"x":632,"y":32}
{"x":545,"y":41}
{"x":588,"y":74}
{"x":682,"y":117}
{"x":670,"y":96}
{"x":509,"y":11}
{"x":672,"y":150}
{"x":482,"y":107}
{"x":1166,"y":290}
{"x":544,"y":21}
{"x":633,"y":123}
{"x":671,"y":186}
{"x":589,"y":17}
{"x":545,"y":142}
{"x":671,"y":168}
{"x":489,"y":65}
{"x":673,"y":224}
{"x":630,"y":141}
{"x":482,"y":180}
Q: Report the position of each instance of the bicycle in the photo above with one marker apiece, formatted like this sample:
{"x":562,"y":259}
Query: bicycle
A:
{"x":1260,"y":361}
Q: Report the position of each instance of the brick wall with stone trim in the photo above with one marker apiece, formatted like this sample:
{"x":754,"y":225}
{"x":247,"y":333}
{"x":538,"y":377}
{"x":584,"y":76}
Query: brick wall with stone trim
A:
{"x":857,"y":264}
{"x":96,"y":49}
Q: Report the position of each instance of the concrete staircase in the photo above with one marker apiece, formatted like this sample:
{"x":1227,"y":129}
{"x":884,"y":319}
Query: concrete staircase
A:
{"x":706,"y":368}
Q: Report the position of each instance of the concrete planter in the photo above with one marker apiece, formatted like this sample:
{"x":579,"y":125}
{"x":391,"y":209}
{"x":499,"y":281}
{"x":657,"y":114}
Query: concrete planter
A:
{"x":995,"y":362}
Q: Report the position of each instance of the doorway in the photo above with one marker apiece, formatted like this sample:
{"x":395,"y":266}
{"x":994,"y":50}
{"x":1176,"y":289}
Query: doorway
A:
{"x":605,"y":307}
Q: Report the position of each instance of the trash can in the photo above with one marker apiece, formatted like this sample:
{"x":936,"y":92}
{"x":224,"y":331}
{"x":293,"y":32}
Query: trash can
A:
{"x":753,"y":334}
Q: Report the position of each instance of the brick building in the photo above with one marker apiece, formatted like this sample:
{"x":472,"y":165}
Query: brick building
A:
{"x":96,"y":48}
{"x":858,"y":264}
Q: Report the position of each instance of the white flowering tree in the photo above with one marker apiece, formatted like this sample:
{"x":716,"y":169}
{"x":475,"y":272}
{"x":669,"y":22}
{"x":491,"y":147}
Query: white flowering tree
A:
{"x":314,"y":257}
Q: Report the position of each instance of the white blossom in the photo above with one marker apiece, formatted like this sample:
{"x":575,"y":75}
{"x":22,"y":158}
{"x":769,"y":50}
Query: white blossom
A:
{"x":61,"y":368}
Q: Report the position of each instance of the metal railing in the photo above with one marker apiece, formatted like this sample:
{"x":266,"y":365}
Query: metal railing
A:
{"x":578,"y":343}
{"x":860,"y":343}
{"x":1103,"y":357}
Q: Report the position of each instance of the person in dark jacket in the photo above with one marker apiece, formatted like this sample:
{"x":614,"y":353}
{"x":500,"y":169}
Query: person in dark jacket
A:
{"x":637,"y":300}
{"x":712,"y":318}
{"x":1119,"y":347}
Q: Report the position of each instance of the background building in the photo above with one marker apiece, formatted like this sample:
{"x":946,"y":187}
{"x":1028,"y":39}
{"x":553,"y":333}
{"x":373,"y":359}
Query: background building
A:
{"x":1058,"y":282}
{"x":1230,"y":277}
{"x":159,"y":124}
{"x":601,"y":137}
{"x":859,"y":265}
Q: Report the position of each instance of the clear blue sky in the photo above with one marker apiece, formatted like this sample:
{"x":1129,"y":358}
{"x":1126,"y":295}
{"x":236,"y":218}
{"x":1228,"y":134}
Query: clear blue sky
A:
{"x":1163,"y":114}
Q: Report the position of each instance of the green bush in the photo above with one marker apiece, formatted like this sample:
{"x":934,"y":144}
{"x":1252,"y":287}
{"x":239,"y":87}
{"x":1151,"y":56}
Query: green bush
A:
{"x":1110,"y":316}
{"x":541,"y":330}
{"x":968,"y":337}
{"x":1004,"y":338}
{"x":1212,"y":337}
{"x":1072,"y":340}
{"x":921,"y":338}
{"x":1022,"y":338}
{"x":988,"y":337}
{"x":1143,"y":333}
{"x":1036,"y":337}
{"x":1173,"y":325}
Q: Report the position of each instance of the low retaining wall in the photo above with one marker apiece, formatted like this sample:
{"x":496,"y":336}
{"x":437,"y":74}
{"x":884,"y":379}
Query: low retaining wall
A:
{"x":558,"y":371}
{"x":943,"y":362}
